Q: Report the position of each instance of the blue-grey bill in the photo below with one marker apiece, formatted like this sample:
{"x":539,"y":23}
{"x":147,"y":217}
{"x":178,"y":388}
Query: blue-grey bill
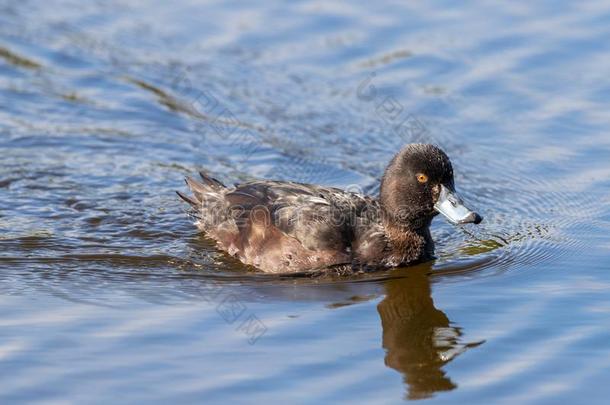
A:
{"x":450,"y":205}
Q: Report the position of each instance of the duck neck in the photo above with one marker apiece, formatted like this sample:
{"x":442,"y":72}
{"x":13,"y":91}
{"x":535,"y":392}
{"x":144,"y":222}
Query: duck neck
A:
{"x":401,"y":231}
{"x":409,"y":243}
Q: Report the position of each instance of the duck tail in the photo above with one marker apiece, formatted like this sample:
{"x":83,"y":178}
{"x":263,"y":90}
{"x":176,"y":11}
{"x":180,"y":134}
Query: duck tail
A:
{"x":188,"y":199}
{"x":201,"y":189}
{"x":211,"y":181}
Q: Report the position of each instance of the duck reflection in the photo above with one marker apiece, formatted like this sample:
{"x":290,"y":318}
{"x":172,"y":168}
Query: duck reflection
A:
{"x":418,"y":338}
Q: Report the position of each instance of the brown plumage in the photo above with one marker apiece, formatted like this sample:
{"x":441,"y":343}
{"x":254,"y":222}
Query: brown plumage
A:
{"x":281,"y":227}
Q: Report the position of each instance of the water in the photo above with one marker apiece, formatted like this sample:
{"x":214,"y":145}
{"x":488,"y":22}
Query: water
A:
{"x":109,"y":294}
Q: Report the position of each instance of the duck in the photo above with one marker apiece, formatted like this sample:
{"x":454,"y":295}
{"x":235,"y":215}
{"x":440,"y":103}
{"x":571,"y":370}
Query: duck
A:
{"x":290,"y":227}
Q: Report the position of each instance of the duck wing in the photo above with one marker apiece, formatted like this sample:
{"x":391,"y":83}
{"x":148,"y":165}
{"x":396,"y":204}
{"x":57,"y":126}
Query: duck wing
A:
{"x":280,"y":226}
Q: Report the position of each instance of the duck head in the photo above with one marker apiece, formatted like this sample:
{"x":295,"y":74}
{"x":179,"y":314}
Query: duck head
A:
{"x":417,"y":185}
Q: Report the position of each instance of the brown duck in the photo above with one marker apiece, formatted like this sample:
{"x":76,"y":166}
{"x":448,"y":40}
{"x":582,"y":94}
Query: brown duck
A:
{"x":287,"y":227}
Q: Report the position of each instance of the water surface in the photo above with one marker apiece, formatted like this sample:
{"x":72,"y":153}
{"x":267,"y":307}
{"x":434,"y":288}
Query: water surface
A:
{"x":108,"y":293}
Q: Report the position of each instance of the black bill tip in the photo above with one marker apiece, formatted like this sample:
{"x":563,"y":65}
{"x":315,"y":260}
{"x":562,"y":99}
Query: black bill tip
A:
{"x":472,"y":218}
{"x":476,"y":218}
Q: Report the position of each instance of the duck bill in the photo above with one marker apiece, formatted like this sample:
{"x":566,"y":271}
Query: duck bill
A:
{"x":451,"y":206}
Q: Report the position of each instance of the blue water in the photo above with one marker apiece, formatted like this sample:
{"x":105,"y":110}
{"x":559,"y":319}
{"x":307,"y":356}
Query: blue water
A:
{"x":109,"y":294}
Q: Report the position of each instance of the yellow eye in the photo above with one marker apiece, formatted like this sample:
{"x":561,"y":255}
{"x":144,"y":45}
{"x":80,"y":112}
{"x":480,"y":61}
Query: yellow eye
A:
{"x":422,"y":178}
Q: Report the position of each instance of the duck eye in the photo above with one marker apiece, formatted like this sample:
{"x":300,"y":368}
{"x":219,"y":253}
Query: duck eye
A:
{"x":422,"y":178}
